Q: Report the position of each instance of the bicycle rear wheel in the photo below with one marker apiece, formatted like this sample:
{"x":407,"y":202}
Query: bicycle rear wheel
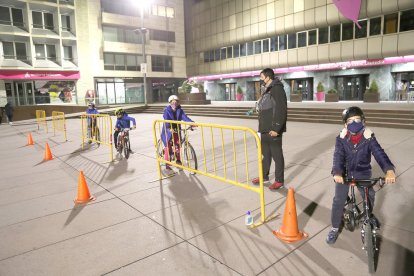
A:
{"x":190,"y":158}
{"x":369,"y":247}
{"x":126,"y":147}
{"x":160,"y":148}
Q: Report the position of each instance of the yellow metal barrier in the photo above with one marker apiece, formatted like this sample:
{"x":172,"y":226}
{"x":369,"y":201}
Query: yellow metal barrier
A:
{"x":58,"y":123}
{"x":97,"y":128}
{"x":41,"y":119}
{"x":218,"y":147}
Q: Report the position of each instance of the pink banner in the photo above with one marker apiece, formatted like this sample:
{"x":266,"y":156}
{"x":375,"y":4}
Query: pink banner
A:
{"x":38,"y":75}
{"x":349,"y":8}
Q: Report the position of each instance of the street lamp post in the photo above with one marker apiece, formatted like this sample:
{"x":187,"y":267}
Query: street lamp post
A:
{"x":143,"y":32}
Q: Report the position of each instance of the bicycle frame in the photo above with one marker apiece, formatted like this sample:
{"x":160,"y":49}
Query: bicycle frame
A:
{"x":124,"y":132}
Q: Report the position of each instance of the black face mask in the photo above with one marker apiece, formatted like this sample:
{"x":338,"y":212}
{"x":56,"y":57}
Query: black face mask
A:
{"x":262,"y":83}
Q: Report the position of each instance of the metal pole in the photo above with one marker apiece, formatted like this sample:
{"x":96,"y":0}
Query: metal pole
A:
{"x":143,"y":53}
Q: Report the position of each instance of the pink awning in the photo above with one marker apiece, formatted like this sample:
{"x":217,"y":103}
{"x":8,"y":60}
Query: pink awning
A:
{"x":38,"y":75}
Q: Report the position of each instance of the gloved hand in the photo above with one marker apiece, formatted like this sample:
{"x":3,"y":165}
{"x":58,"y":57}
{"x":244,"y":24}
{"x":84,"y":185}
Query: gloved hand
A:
{"x":134,"y":127}
{"x":338,"y":179}
{"x":390,"y":177}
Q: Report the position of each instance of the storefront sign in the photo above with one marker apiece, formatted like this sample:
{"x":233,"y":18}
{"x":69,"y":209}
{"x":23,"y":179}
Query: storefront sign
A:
{"x":38,"y":75}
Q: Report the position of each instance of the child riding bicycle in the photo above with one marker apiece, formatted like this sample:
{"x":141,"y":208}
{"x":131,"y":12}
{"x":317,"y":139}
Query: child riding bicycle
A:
{"x":352,"y":159}
{"x":123,"y":121}
{"x":91,"y":120}
{"x":173,"y":112}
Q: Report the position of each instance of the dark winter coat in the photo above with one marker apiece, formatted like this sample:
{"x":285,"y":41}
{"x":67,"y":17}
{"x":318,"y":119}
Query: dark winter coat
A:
{"x":272,"y":108}
{"x":169,"y":115}
{"x":354,"y":161}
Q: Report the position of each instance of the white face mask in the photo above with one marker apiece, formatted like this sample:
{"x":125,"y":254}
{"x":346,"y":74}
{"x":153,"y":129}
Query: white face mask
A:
{"x":174,"y":105}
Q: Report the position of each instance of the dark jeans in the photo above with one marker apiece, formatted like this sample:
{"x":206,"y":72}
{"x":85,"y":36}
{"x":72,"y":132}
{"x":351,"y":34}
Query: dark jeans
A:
{"x":272,"y":148}
{"x":341,"y":194}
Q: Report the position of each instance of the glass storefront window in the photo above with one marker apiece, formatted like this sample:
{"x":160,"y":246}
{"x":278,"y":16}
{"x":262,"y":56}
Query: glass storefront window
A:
{"x":110,"y":93}
{"x":375,"y":26}
{"x":55,"y":92}
{"x":120,"y":91}
{"x":390,"y":23}
{"x":102,"y":93}
{"x":407,"y":21}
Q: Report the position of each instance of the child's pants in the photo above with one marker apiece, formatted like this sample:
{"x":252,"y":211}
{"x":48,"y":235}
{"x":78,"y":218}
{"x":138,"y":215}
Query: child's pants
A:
{"x":169,"y":148}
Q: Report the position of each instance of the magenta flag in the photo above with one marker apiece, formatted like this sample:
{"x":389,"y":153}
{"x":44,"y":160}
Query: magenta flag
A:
{"x":349,"y":8}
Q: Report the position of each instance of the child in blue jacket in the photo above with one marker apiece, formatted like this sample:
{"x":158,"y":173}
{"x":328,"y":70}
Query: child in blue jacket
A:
{"x":173,"y":112}
{"x":123,"y":121}
{"x":352,"y":159}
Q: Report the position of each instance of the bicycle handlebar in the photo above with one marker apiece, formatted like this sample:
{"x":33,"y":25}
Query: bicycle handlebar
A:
{"x":369,"y":182}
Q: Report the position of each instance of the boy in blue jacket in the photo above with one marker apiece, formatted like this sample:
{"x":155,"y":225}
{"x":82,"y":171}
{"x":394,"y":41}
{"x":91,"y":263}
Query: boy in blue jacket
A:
{"x":352,"y":159}
{"x":173,"y":112}
{"x":123,"y":121}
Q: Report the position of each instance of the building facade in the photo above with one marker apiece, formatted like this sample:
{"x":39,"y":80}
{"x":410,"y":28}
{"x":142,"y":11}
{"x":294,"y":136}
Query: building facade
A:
{"x":306,"y":42}
{"x":75,"y":51}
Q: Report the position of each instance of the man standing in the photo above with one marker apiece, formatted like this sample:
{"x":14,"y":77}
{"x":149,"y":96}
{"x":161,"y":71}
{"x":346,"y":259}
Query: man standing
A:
{"x":9,"y":112}
{"x":272,"y":109}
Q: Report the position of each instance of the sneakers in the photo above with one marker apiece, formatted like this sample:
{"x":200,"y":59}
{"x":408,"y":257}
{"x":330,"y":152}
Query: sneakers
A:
{"x":276,"y":185}
{"x":178,"y":162}
{"x":332,"y":236}
{"x":256,"y":181}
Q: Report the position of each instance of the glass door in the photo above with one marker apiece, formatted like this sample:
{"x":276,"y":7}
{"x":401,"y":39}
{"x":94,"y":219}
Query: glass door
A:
{"x":230,"y":91}
{"x":28,"y":87}
{"x":21,"y":99}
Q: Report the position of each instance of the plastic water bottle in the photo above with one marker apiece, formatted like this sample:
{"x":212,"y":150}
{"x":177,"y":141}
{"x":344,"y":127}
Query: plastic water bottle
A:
{"x":248,"y":219}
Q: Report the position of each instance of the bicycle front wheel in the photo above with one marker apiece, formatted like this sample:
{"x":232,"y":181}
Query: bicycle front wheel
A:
{"x":190,"y":158}
{"x":369,"y":247}
{"x":126,"y":148}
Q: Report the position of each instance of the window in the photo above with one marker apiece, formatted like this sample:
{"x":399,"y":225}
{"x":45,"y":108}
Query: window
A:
{"x":302,"y":39}
{"x":206,"y":57}
{"x":292,"y":41}
{"x":120,"y":62}
{"x":66,"y":23}
{"x":131,"y":63}
{"x":375,"y":26}
{"x":5,"y":16}
{"x":67,"y":52}
{"x":51,"y":52}
{"x":347,"y":31}
{"x":265,"y":43}
{"x":407,"y":21}
{"x":223,"y":53}
{"x":361,"y":33}
{"x":229,"y":52}
{"x":115,"y":34}
{"x":162,"y":63}
{"x":8,"y":50}
{"x":242,"y":49}
{"x":335,"y":33}
{"x":40,"y":51}
{"x":109,"y":61}
{"x":162,"y":35}
{"x":15,"y":50}
{"x":250,"y":49}
{"x":211,"y":55}
{"x":17,"y":15}
{"x":282,"y":42}
{"x":312,"y":37}
{"x":257,"y":47}
{"x":217,"y":54}
{"x":273,"y":44}
{"x":390,"y":23}
{"x":236,"y":50}
{"x":120,"y":7}
{"x":163,"y":11}
{"x":43,"y":20}
{"x":323,"y":35}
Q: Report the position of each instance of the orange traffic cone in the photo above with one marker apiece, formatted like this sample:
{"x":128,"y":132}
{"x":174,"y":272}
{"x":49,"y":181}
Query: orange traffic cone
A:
{"x":83,"y":192}
{"x":48,"y":154}
{"x":289,"y":231}
{"x":30,"y":140}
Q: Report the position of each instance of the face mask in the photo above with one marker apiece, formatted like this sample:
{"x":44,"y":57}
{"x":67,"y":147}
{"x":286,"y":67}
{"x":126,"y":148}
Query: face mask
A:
{"x":174,"y":105}
{"x":355,"y":127}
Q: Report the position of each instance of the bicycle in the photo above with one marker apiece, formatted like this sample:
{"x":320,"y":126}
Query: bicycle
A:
{"x":190,"y":157}
{"x":353,"y":216}
{"x":123,"y":144}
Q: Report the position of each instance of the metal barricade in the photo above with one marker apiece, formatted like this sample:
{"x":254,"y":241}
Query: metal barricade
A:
{"x":219,"y":148}
{"x":58,"y":123}
{"x":41,"y":119}
{"x":97,"y":128}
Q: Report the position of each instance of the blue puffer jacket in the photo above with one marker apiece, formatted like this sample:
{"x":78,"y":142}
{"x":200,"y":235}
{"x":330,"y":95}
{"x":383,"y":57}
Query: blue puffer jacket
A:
{"x":354,"y":161}
{"x":124,"y":122}
{"x":169,"y":115}
{"x":91,"y":111}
